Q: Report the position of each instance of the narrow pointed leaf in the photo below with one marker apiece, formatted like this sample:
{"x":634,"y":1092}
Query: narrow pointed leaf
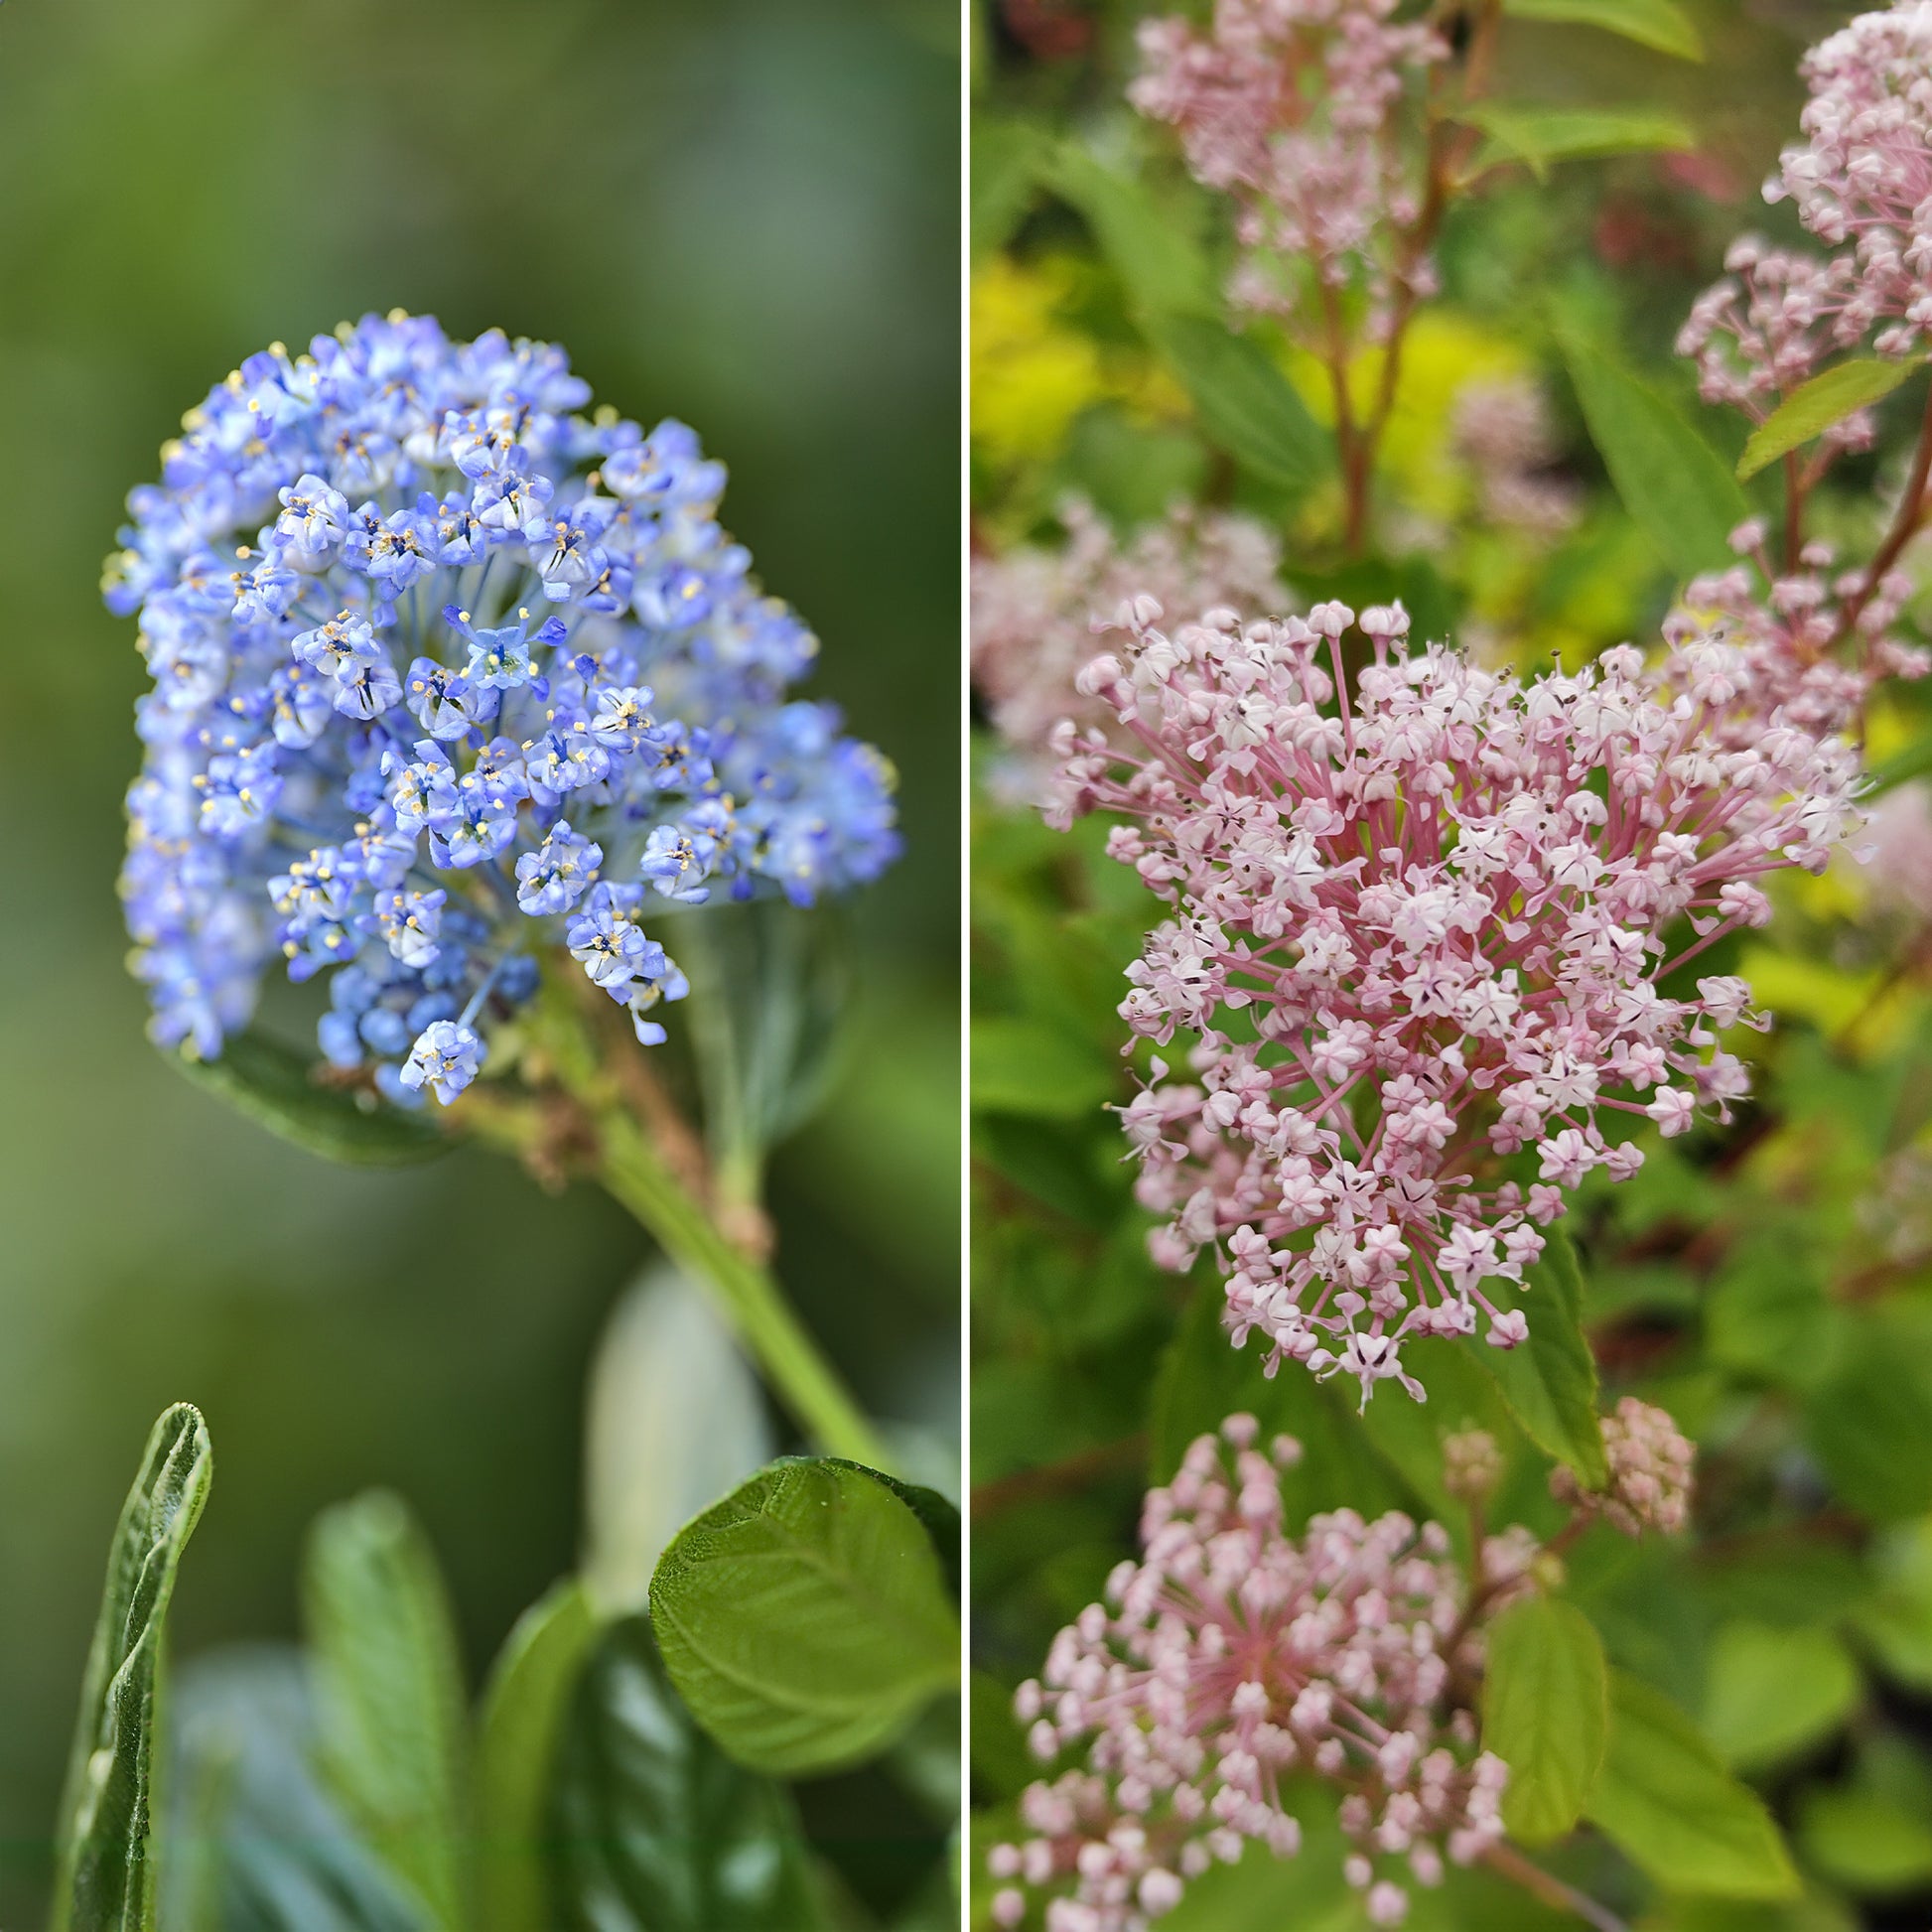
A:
{"x":270,"y":1082}
{"x":1665,"y":1799}
{"x":1004,"y":159}
{"x":389,"y":1692}
{"x":1544,"y":1714}
{"x":805,"y":1619}
{"x":1678,"y":490}
{"x":106,"y":1880}
{"x":1550,"y":1381}
{"x":1165,"y":273}
{"x":519,"y":1739}
{"x":656,"y":1829}
{"x":1244,"y":403}
{"x":1651,"y":23}
{"x":1542,"y":136}
{"x":1811,"y":409}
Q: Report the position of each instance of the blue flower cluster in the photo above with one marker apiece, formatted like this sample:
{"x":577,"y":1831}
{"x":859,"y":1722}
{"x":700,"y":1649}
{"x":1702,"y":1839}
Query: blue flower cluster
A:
{"x":446,"y":672}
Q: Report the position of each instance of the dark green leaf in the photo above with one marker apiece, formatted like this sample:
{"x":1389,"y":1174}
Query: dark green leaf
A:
{"x":1165,"y":273}
{"x":389,"y":1692}
{"x":1244,"y":403}
{"x":1869,"y":1422}
{"x":1771,"y":1693}
{"x":1666,"y":1800}
{"x":1811,"y":409}
{"x":804,"y":1619}
{"x":518,"y":1738}
{"x":1651,"y":23}
{"x":1544,"y":1714}
{"x":658,"y":1829}
{"x":1679,"y":492}
{"x":935,"y":1512}
{"x":1865,"y":1841}
{"x":105,"y":1878}
{"x":1538,"y":136}
{"x":1005,"y":157}
{"x":1550,"y":1381}
{"x":259,"y":1076}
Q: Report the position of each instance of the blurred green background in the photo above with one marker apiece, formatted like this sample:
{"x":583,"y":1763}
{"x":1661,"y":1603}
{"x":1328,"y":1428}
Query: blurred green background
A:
{"x":743,"y":213}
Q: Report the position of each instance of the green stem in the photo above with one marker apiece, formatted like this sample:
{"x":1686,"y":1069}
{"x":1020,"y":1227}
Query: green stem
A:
{"x":639,"y":1178}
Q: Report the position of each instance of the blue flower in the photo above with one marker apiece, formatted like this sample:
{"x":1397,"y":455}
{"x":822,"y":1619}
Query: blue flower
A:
{"x":603,"y":710}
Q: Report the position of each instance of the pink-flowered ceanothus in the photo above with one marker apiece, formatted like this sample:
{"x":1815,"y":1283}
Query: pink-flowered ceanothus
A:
{"x":1429,"y":937}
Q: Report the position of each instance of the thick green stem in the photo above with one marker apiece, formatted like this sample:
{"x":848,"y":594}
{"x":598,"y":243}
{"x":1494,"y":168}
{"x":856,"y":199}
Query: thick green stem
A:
{"x":638,"y":1177}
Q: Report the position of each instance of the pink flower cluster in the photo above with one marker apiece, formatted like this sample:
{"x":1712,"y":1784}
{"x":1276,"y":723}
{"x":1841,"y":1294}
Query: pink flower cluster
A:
{"x":1234,"y":1656}
{"x":1501,"y":425}
{"x":1650,"y":1473}
{"x":1035,"y":611}
{"x":1420,"y":929}
{"x":1288,"y":106}
{"x":1787,"y":625}
{"x":1863,"y":178}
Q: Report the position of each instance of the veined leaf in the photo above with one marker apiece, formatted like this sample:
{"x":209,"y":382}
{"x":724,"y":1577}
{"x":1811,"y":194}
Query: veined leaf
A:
{"x":106,"y":1881}
{"x":1651,"y":23}
{"x":1811,"y":408}
{"x":1678,"y":490}
{"x":518,"y":1741}
{"x":1550,"y":1381}
{"x":804,"y":1619}
{"x":1665,"y":1799}
{"x":656,"y":1829}
{"x":259,"y":1076}
{"x":1244,"y":403}
{"x":1544,"y":1714}
{"x":389,"y":1692}
{"x":1539,"y":136}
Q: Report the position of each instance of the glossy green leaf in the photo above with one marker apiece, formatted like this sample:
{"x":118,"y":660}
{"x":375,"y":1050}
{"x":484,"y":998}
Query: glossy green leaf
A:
{"x":1550,"y":1381}
{"x":656,"y":1829}
{"x":1651,"y":23}
{"x":389,"y":1692}
{"x":805,"y":1619}
{"x":271,"y":1083}
{"x":1678,"y":490}
{"x":105,"y":1879}
{"x":1771,"y":1693}
{"x":1811,"y":408}
{"x":1163,"y":271}
{"x":1666,"y":1800}
{"x":1245,"y":405}
{"x":675,"y":1420}
{"x":1544,"y":1714}
{"x":1540,"y":136}
{"x":519,"y":1736}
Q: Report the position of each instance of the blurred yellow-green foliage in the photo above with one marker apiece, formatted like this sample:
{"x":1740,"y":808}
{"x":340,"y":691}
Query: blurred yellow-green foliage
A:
{"x":741,"y":213}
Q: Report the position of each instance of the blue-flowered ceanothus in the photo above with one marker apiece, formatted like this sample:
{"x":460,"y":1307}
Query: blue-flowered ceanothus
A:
{"x":447,"y":672}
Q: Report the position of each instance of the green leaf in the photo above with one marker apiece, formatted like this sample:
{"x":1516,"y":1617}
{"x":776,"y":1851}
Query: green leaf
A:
{"x":1539,"y":136}
{"x":1771,"y":1693}
{"x":1665,"y":1799}
{"x":658,"y":1829}
{"x":1651,"y":23}
{"x":675,"y":1420}
{"x":1244,"y":403}
{"x":1896,"y":1621}
{"x":1865,"y":1841}
{"x":518,"y":1739}
{"x":1869,"y":1422}
{"x":1678,"y":490}
{"x":804,"y":1619}
{"x":1544,"y":1714}
{"x":1811,"y":408}
{"x":389,"y":1692}
{"x":1768,"y":1313}
{"x":106,"y":1860}
{"x":1914,"y":762}
{"x":1005,"y":157}
{"x":270,"y":1082}
{"x":1163,"y":271}
{"x":1023,"y":1067}
{"x":1550,"y":1381}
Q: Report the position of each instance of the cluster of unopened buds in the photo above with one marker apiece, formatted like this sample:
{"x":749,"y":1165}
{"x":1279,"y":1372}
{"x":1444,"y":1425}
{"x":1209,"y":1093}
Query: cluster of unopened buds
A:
{"x":1234,"y":1657}
{"x":1289,"y":106}
{"x":1650,"y":1460}
{"x":1420,"y":930}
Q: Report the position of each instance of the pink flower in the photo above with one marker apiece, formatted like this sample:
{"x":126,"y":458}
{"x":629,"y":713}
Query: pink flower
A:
{"x":1289,"y":106}
{"x":1650,"y":1473}
{"x":1502,"y":424}
{"x":1418,"y":931}
{"x":1235,"y":1655}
